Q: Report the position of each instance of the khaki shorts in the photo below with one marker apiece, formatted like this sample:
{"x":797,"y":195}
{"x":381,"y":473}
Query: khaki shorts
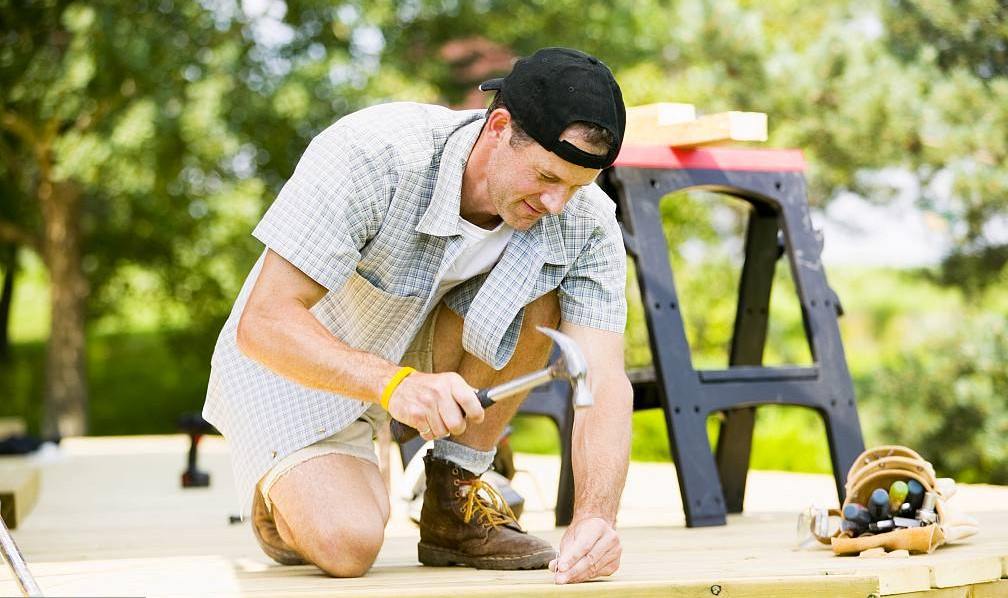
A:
{"x":357,"y":439}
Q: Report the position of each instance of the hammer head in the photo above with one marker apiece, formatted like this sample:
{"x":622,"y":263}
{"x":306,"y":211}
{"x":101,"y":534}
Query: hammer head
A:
{"x":572,"y":366}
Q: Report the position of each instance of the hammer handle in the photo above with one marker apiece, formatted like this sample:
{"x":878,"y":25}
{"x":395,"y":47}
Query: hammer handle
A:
{"x":483,"y":395}
{"x":518,"y":385}
{"x":487,"y":397}
{"x":403,"y":433}
{"x":12,"y":554}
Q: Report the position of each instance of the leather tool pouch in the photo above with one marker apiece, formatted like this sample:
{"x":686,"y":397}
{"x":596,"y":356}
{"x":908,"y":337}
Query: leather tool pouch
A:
{"x":879,"y":468}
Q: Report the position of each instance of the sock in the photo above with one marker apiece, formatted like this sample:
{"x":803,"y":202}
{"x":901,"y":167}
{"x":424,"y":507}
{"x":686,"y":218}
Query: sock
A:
{"x":468,"y":458}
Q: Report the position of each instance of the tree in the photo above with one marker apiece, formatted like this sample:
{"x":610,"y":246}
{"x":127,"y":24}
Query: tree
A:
{"x":141,"y":141}
{"x":965,"y":152}
{"x":104,"y":108}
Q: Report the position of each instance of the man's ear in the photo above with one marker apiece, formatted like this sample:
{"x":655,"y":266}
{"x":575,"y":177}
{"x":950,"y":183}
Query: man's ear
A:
{"x":499,"y":124}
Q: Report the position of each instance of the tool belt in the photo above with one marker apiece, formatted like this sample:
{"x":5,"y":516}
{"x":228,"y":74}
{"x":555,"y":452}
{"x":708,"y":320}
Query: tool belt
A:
{"x":879,"y":468}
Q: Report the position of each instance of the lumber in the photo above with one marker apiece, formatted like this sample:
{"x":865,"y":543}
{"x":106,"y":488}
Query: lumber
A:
{"x":12,"y":426}
{"x":895,"y":579}
{"x":648,"y":128}
{"x":19,"y":490}
{"x":965,"y":571}
{"x":956,"y":592}
{"x":661,"y":113}
{"x":642,"y":120}
{"x":114,"y":521}
{"x":993,"y":589}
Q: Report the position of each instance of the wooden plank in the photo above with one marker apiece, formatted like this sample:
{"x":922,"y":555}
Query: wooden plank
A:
{"x":705,"y":130}
{"x":91,"y":535}
{"x":895,"y":579}
{"x":965,"y":571}
{"x":19,"y":490}
{"x":207,"y":575}
{"x":640,"y":119}
{"x":994,"y":589}
{"x":12,"y":426}
{"x":838,"y":587}
{"x":956,"y":592}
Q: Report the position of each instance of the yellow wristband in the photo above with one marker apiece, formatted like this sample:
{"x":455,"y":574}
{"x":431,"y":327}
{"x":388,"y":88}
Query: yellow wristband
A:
{"x":394,"y":384}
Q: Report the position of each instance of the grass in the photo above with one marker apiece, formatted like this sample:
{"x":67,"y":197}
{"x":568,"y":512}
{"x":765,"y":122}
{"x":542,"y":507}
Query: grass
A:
{"x":140,"y":380}
{"x":138,"y":383}
{"x":30,"y":304}
{"x":784,"y":438}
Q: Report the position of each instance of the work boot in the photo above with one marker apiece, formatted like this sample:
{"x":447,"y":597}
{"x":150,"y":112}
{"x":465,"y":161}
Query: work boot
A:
{"x":264,"y":528}
{"x":465,"y":521}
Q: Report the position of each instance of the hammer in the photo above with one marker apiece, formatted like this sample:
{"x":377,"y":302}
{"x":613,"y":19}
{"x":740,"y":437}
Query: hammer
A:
{"x":12,"y":554}
{"x":570,"y":365}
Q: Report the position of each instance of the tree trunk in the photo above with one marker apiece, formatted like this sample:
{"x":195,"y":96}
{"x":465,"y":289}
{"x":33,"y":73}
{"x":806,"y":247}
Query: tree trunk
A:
{"x":65,"y":399}
{"x":8,"y":255}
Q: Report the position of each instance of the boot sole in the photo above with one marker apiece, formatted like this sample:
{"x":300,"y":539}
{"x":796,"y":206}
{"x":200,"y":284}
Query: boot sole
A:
{"x":283,"y":554}
{"x":435,"y":556}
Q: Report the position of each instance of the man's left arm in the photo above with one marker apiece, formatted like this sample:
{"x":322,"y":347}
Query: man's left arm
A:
{"x":601,"y":452}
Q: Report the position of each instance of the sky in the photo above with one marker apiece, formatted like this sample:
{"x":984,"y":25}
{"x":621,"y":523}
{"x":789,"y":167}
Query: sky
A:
{"x":857,"y":232}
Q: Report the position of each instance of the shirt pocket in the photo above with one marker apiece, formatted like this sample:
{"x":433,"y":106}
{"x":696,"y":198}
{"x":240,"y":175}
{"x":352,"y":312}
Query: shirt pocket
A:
{"x":372,"y":319}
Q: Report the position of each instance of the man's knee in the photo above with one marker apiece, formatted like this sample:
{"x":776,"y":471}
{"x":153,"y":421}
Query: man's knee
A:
{"x":347,"y":549}
{"x":544,"y":311}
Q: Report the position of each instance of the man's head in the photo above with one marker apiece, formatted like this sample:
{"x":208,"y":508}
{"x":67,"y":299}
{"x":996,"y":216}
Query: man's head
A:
{"x":557,"y":120}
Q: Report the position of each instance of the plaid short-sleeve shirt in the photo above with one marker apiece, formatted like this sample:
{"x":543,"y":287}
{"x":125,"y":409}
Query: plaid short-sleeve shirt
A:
{"x":371,"y":213}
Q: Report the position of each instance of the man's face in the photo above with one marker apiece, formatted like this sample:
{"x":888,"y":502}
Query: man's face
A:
{"x":527,"y":182}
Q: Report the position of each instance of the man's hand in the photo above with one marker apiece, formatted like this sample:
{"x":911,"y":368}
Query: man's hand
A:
{"x":436,"y":404}
{"x":590,"y":548}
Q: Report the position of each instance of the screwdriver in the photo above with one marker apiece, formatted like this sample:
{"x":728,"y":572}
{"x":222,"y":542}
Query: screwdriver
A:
{"x":915,"y":495}
{"x":897,"y":494}
{"x":878,"y":505}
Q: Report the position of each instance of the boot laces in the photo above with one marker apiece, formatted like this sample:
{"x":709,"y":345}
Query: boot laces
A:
{"x":486,"y":503}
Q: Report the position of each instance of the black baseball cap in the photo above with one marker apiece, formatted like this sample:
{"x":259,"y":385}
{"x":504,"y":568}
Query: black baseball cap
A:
{"x":555,"y":87}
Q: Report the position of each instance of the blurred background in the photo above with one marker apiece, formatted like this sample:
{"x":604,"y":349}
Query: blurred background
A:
{"x":141,"y":141}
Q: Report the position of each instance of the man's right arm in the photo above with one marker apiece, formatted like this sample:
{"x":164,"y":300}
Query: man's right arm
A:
{"x":278,"y":330}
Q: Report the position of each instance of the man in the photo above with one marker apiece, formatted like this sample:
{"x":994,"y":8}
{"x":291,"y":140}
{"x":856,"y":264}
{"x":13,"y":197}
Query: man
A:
{"x":408,"y":260}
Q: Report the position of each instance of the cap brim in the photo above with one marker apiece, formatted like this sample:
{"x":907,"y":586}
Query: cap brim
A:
{"x":492,"y":84}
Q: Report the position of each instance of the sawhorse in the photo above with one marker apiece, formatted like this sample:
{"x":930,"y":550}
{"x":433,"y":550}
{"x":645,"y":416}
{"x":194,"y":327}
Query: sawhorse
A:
{"x":772,"y":183}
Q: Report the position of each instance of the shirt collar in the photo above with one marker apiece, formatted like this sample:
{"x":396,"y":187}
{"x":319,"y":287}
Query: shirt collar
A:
{"x":441,"y":216}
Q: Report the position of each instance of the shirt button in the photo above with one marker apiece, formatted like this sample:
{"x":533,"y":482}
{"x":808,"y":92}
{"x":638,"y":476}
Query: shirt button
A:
{"x":274,"y":455}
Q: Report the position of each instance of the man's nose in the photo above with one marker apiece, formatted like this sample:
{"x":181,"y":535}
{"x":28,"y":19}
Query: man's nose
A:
{"x":553,"y":200}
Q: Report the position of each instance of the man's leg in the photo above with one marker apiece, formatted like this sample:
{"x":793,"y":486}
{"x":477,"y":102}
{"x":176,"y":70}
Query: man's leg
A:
{"x":464,"y":520}
{"x":332,"y":510}
{"x":530,"y":355}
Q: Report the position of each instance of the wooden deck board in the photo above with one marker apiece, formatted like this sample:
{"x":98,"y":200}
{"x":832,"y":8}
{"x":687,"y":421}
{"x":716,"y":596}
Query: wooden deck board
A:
{"x":112,"y":520}
{"x":19,"y":488}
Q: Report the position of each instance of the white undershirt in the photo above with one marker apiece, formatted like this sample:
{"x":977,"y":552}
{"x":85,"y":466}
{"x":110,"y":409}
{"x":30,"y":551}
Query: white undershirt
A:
{"x":483,"y":249}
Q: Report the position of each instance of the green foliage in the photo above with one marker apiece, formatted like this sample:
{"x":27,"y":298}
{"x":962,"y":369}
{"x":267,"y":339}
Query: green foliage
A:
{"x":784,"y":439}
{"x":179,"y":121}
{"x":961,"y":46}
{"x":947,"y":397}
{"x":140,"y":383}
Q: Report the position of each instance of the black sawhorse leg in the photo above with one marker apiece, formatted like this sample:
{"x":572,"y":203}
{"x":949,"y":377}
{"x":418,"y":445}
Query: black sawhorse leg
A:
{"x":712,"y":486}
